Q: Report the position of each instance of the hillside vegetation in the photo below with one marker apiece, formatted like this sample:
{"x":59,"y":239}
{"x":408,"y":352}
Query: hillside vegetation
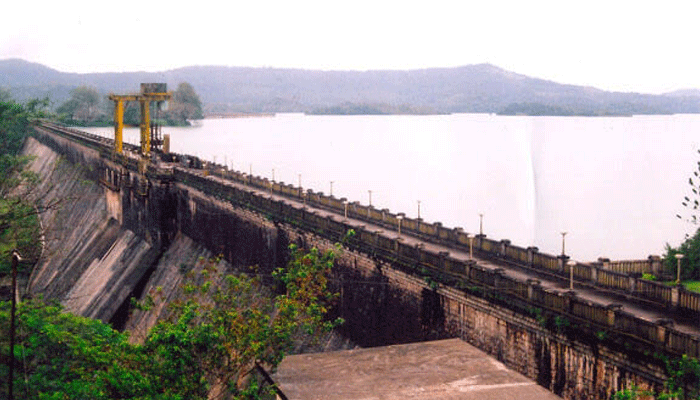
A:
{"x":481,"y":88}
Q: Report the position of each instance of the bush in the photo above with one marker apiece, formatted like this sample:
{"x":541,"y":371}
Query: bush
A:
{"x":690,"y":264}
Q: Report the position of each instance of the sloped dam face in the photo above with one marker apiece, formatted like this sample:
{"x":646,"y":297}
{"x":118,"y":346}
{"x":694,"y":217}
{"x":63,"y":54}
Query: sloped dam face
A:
{"x":119,"y":234}
{"x":104,"y":246}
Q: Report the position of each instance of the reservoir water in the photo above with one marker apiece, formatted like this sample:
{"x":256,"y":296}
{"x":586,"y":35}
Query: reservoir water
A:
{"x":614,"y":184}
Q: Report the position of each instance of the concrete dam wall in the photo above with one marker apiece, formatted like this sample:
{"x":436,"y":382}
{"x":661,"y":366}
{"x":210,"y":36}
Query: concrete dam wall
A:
{"x":123,"y":231}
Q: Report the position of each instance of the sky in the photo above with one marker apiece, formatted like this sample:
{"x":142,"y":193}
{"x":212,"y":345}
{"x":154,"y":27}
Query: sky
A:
{"x":638,"y":46}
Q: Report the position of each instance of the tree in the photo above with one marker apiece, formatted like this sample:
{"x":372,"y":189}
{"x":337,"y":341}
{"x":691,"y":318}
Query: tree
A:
{"x":19,"y":226}
{"x":690,"y":263}
{"x":5,"y":95}
{"x":82,"y":106}
{"x":62,"y":356}
{"x":224,"y":327}
{"x":227,"y":326}
{"x":185,"y":105}
{"x":690,"y":248}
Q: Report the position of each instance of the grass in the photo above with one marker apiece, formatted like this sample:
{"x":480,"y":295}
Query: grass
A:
{"x":693,"y":286}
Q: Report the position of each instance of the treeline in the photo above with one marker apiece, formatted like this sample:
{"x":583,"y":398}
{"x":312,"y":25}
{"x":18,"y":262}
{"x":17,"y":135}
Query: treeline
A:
{"x":88,"y":107}
{"x":372,"y":109}
{"x":539,"y":109}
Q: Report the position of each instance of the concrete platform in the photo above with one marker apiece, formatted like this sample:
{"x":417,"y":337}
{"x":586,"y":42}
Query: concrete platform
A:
{"x":444,"y":369}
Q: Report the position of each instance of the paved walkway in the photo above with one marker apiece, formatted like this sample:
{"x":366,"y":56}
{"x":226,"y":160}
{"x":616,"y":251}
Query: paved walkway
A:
{"x":586,"y":292}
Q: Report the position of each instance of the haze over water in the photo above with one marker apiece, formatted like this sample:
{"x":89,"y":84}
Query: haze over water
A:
{"x":614,"y":184}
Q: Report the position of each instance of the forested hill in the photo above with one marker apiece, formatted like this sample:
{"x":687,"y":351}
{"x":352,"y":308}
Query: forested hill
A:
{"x":472,"y":88}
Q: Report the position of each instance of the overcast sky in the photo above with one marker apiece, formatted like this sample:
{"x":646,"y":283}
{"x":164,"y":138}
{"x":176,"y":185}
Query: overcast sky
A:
{"x":641,"y":46}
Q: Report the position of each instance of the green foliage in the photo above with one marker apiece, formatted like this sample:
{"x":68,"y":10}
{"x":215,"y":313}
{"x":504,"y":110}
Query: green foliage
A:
{"x":683,"y":382}
{"x":648,"y":277}
{"x":690,"y":248}
{"x":63,"y":356}
{"x":690,"y":263}
{"x":87,"y":107}
{"x":83,"y":106}
{"x":226,"y":325}
{"x":693,"y":286}
{"x":217,"y":334}
{"x":683,"y":377}
{"x":19,"y":226}
{"x":561,"y":323}
{"x":632,"y":393}
{"x":185,"y":105}
{"x":20,"y":230}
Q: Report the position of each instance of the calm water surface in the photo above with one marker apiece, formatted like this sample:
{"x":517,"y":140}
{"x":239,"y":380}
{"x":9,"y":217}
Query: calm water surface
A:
{"x":614,"y":184}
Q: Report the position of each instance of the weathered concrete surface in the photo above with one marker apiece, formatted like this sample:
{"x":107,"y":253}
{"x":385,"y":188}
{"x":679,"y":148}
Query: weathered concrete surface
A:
{"x":445,"y":369}
{"x":164,"y":284}
{"x":90,"y":263}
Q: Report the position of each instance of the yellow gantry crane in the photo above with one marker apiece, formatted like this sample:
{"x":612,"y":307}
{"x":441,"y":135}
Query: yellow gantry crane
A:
{"x":150,"y":92}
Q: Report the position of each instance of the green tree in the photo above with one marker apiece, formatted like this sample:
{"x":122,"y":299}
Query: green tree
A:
{"x":82,"y":106}
{"x":692,"y":202}
{"x":690,"y":248}
{"x":62,"y":356}
{"x":184,"y":105}
{"x":18,"y":211}
{"x":223,"y":328}
{"x":227,"y":325}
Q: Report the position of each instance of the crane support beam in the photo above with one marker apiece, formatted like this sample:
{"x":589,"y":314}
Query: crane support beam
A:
{"x":144,"y":98}
{"x":118,"y":125}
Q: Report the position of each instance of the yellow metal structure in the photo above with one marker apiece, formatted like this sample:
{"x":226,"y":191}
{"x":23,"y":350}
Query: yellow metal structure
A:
{"x":150,"y":92}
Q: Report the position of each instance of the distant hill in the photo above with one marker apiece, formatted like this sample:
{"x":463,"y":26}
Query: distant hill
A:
{"x":685,"y":93}
{"x":472,"y":88}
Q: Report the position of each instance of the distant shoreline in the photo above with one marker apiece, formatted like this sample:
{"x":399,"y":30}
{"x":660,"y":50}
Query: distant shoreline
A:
{"x":237,"y":115}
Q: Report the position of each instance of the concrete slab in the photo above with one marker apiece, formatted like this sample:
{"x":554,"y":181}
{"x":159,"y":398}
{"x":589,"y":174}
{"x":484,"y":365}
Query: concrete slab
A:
{"x":446,"y":369}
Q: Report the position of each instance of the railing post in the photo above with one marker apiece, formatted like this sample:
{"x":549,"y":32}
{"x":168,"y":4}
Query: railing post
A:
{"x":662,"y":327}
{"x":497,"y":274}
{"x":457,"y":232}
{"x":675,"y":296}
{"x":632,"y":283}
{"x":656,"y":264}
{"x":612,"y":309}
{"x":532,"y":284}
{"x":503,"y":247}
{"x":468,"y":268}
{"x":563,"y":259}
{"x":443,"y":255}
{"x":531,"y":251}
{"x":595,"y":266}
{"x":570,"y":296}
{"x":479,"y":241}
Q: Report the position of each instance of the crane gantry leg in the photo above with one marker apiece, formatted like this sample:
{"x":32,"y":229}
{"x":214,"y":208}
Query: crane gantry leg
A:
{"x":150,"y":92}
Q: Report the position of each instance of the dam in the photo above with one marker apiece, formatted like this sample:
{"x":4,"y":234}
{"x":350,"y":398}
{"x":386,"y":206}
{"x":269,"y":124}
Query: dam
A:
{"x":127,"y":228}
